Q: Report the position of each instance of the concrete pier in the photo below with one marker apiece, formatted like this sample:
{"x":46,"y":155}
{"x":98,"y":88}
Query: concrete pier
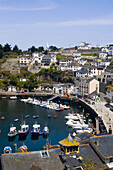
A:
{"x":102,"y":111}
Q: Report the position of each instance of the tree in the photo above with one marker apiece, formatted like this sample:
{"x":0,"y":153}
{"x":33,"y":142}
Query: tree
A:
{"x":13,"y":80}
{"x":76,"y":47}
{"x":15,"y":48}
{"x":1,"y":54}
{"x":6,"y":82}
{"x":46,"y":52}
{"x":32,"y":49}
{"x":1,"y":48}
{"x":40,"y":49}
{"x":53,"y":48}
{"x":7,"y":48}
{"x":32,"y":81}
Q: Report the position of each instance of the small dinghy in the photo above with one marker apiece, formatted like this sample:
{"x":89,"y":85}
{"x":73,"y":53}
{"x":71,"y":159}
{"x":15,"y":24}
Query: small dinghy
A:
{"x":4,"y":97}
{"x":35,"y":116}
{"x":16,"y":120}
{"x":26,"y":116}
{"x":49,"y":116}
{"x":2,"y":118}
{"x":55,"y":116}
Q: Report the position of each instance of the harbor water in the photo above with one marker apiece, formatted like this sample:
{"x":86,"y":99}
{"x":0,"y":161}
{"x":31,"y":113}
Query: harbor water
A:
{"x":14,"y":109}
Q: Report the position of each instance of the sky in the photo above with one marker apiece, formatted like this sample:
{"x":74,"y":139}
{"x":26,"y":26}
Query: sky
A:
{"x":63,"y":23}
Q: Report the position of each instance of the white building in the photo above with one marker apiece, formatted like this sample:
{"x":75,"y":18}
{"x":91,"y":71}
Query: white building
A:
{"x":11,"y":89}
{"x":103,"y":55}
{"x":82,"y":62}
{"x":83,"y":73}
{"x":73,"y":67}
{"x":65,"y":61}
{"x":37,"y":57}
{"x":105,"y":49}
{"x":84,"y":46}
{"x":63,"y":88}
{"x":96,"y":70}
{"x":110,"y":52}
{"x":24,"y":61}
{"x":43,"y":59}
{"x":77,"y":56}
{"x":87,"y":86}
{"x":47,"y":60}
{"x":104,"y":63}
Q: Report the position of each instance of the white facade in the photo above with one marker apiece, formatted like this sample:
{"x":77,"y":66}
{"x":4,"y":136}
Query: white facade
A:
{"x":65,"y":62}
{"x":88,"y":86}
{"x":96,"y":70}
{"x":72,"y":67}
{"x":77,"y":56}
{"x":104,"y":63}
{"x":84,"y":46}
{"x":105,"y":49}
{"x":103,"y":55}
{"x":36,"y":58}
{"x":63,"y":88}
{"x":82,"y":74}
{"x":82,"y":62}
{"x":39,"y":57}
{"x":11,"y":89}
{"x":110,"y":51}
{"x":53,"y":58}
{"x":69,"y":67}
{"x":24,"y":61}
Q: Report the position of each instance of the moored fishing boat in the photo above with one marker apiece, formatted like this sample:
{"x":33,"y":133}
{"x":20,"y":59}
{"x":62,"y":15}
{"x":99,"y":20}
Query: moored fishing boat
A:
{"x":66,"y":107}
{"x":13,"y":97}
{"x":13,"y":132}
{"x":35,"y":116}
{"x":46,"y":131}
{"x":24,"y":130}
{"x":59,"y":109}
{"x":7,"y":150}
{"x":36,"y":130}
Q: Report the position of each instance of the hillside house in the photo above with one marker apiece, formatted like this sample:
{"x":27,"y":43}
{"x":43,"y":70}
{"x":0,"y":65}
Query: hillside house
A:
{"x":110,"y":52}
{"x":103,"y":55}
{"x":84,"y":46}
{"x":12,"y":89}
{"x":63,"y":88}
{"x":24,"y":61}
{"x":87,"y":86}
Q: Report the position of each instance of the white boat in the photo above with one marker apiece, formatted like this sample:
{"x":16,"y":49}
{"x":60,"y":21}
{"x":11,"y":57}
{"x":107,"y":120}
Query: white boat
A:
{"x":72,"y":123}
{"x":36,"y":130}
{"x":45,"y":131}
{"x":16,"y":120}
{"x":71,"y":116}
{"x":13,"y":97}
{"x":89,"y":130}
{"x":24,"y":130}
{"x":66,"y":107}
{"x":13,"y":132}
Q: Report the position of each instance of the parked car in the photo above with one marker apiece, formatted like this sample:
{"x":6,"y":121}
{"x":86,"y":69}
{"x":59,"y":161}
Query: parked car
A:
{"x":107,"y":105}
